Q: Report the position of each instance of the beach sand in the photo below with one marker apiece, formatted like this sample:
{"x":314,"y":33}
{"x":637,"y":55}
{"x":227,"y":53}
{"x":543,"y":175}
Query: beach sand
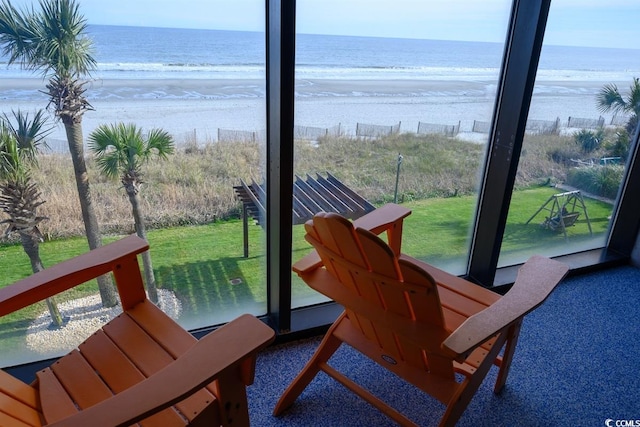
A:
{"x":183,"y":107}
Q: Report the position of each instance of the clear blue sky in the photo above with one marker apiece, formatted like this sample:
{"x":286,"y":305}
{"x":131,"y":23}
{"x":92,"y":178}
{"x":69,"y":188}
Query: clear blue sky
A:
{"x":610,"y":23}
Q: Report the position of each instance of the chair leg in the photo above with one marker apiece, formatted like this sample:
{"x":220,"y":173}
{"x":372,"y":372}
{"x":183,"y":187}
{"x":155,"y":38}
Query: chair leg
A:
{"x":232,"y":393}
{"x":468,"y":388}
{"x":323,"y":353}
{"x":507,"y":357}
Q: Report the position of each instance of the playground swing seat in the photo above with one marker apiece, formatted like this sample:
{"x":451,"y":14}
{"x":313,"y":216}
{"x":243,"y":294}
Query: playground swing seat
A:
{"x":564,"y":210}
{"x":559,"y":222}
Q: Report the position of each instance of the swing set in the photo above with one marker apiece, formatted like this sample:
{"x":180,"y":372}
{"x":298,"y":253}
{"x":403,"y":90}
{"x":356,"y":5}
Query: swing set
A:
{"x":563,"y":211}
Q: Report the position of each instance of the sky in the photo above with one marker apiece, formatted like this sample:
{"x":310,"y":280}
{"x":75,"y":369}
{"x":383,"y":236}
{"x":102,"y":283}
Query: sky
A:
{"x":596,"y":23}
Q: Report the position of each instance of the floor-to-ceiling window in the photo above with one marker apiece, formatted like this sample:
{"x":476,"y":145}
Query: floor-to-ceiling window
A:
{"x":196,"y":71}
{"x":578,"y":133}
{"x":394,"y":101}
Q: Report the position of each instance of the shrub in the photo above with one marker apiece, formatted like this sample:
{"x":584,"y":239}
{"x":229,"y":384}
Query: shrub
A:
{"x":619,"y":147}
{"x":564,"y":155}
{"x":599,"y":180}
{"x":589,"y":141}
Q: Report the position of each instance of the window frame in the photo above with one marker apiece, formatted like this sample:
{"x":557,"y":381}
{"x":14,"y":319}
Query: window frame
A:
{"x":523,"y":45}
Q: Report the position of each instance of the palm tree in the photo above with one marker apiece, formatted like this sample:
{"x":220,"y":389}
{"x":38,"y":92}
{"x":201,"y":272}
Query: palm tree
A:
{"x":52,"y":41}
{"x":610,"y":99}
{"x":19,"y":195}
{"x":121,"y":150}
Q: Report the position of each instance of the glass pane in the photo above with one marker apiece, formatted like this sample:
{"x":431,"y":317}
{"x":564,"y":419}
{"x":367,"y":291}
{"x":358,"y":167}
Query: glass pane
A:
{"x":394,"y":101}
{"x":198,"y":74}
{"x":575,"y":148}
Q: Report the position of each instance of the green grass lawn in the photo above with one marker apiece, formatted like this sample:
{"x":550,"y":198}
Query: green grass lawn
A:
{"x":438,"y":230}
{"x":204,"y":265}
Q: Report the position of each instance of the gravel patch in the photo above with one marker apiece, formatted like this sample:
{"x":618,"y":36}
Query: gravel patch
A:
{"x":85,"y":316}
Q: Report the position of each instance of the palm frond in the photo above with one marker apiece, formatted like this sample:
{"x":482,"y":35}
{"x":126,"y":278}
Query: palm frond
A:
{"x":112,"y":146}
{"x":160,"y":143}
{"x":29,"y":133}
{"x":122,"y":149}
{"x":51,"y":40}
{"x":633,"y":99}
{"x":609,"y":99}
{"x":17,"y":34}
{"x":109,"y":164}
{"x":102,"y":140}
{"x":11,"y":168}
{"x":62,"y":44}
{"x":19,"y":146}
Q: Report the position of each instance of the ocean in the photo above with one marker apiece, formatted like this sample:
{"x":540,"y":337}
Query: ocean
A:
{"x":134,"y":53}
{"x":186,"y":80}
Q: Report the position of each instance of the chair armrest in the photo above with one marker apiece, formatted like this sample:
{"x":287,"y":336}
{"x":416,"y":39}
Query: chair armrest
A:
{"x":387,"y":218}
{"x":212,"y":356}
{"x":536,"y":279}
{"x":69,"y":274}
{"x":382,"y":219}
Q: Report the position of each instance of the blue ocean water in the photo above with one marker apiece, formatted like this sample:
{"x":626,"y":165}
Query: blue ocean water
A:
{"x":165,"y":53}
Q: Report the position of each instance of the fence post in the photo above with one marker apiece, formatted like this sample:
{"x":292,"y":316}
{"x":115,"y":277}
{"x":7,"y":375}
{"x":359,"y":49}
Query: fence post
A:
{"x":395,"y":193}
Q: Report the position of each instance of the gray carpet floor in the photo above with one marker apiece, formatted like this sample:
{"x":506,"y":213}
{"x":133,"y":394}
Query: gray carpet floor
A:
{"x":576,"y":365}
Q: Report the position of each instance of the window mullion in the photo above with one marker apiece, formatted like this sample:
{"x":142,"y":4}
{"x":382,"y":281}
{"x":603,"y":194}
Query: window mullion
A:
{"x":280,"y":39}
{"x":519,"y":66}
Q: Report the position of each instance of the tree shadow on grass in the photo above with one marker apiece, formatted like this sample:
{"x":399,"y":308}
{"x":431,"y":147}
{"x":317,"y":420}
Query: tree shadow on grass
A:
{"x":526,"y":234}
{"x":219,"y":288}
{"x":453,"y":231}
{"x":535,"y":235}
{"x":14,"y":329}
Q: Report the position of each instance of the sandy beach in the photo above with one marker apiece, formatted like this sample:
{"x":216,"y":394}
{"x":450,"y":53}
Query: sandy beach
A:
{"x":204,"y":105}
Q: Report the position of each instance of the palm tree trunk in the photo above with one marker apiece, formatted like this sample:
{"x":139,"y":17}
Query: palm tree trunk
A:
{"x":149,"y":277}
{"x":31,"y":247}
{"x":76,"y":148}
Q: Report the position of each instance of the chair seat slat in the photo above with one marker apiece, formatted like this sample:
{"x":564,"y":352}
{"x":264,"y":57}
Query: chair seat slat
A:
{"x":150,"y":357}
{"x":80,"y":380}
{"x":120,"y":374}
{"x":164,"y":330}
{"x":56,"y":403}
{"x":115,"y":368}
{"x":13,"y":387}
{"x":143,"y":351}
{"x":15,"y":413}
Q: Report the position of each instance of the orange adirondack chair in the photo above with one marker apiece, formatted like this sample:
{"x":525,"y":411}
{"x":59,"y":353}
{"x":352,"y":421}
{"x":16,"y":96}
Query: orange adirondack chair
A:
{"x":421,"y":323}
{"x":140,"y":367}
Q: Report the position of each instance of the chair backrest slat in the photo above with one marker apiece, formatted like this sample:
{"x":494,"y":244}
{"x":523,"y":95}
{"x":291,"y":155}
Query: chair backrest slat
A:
{"x":426,"y":305}
{"x":366,"y":265}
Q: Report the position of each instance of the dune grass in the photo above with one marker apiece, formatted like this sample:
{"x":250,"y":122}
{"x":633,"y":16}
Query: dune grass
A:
{"x":195,"y":185}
